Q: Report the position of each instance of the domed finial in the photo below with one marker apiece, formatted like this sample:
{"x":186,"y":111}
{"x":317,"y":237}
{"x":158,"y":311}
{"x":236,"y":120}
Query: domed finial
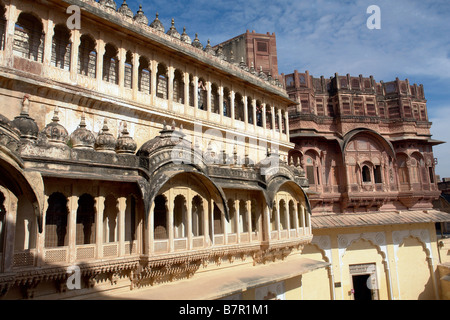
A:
{"x":125,"y":10}
{"x":83,"y":120}
{"x":196,"y":43}
{"x":173,"y":31}
{"x":25,"y":105}
{"x":140,"y":16}
{"x":184,"y":37}
{"x":209,"y":49}
{"x":156,"y":24}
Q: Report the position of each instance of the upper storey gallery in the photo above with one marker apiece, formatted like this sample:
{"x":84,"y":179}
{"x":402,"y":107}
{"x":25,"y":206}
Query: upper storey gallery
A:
{"x":119,"y":55}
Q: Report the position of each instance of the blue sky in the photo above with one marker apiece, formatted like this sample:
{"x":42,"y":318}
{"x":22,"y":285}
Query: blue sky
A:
{"x":328,"y":36}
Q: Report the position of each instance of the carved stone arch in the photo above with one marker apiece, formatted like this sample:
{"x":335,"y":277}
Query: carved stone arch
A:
{"x":318,"y":249}
{"x":275,"y":184}
{"x":170,"y":170}
{"x":376,"y":239}
{"x":349,"y":136}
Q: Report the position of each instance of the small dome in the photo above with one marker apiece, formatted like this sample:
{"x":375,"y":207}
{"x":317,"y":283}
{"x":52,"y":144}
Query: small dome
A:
{"x":167,"y":138}
{"x":54,"y":131}
{"x":125,"y":10}
{"x":140,"y":16}
{"x":157,"y":24}
{"x":26,"y":125}
{"x":125,"y":143}
{"x":109,"y":4}
{"x":184,"y":36}
{"x":196,"y":43}
{"x":105,"y":140}
{"x":173,"y":31}
{"x":82,"y":138}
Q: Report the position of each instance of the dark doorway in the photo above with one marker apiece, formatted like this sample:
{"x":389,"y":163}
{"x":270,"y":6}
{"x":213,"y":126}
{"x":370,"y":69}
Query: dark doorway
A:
{"x":362,"y":291}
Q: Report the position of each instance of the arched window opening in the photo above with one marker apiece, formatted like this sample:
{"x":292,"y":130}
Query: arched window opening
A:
{"x":277,"y":124}
{"x":160,"y":218}
{"x":111,"y":64}
{"x":180,"y":217}
{"x":268,"y":117}
{"x":218,"y":226}
{"x":310,"y":170}
{"x":29,"y":38}
{"x":254,"y":216}
{"x":366,"y":174}
{"x":128,"y":72}
{"x":377,"y":174}
{"x":85,"y":229}
{"x":197,"y":216}
{"x":215,"y":108}
{"x":144,"y":75}
{"x":61,"y":47}
{"x":243,"y":220}
{"x":87,"y":57}
{"x":161,"y":82}
{"x":250,"y":110}
{"x":283,"y":122}
{"x":238,"y":107}
{"x":56,"y":221}
{"x":273,"y":219}
{"x":226,"y":108}
{"x":259,"y":114}
{"x":178,"y":87}
{"x":110,"y":220}
{"x":130,"y":219}
{"x":201,"y":94}
{"x":283,"y":215}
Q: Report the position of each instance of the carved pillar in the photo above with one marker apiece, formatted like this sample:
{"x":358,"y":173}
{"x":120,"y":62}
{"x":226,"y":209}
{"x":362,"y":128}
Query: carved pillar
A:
{"x":195,"y":80}
{"x":48,"y":39}
{"x":11,"y":18}
{"x":238,"y":218}
{"x":264,"y":118}
{"x":232,"y":106}
{"x":40,"y":243}
{"x":74,"y":51}
{"x":122,"y":204}
{"x":154,"y":71}
{"x":121,"y":76}
{"x":254,"y":112}
{"x":286,"y":120}
{"x":100,"y":53}
{"x":188,"y":227}
{"x":149,"y":231}
{"x":208,"y":98}
{"x":245,"y":101}
{"x":135,"y":75}
{"x":272,"y":113}
{"x":170,"y":212}
{"x":280,"y":128}
{"x":72,"y":204}
{"x":170,"y":75}
{"x":186,"y":92}
{"x":100,"y":208}
{"x":248,"y":205}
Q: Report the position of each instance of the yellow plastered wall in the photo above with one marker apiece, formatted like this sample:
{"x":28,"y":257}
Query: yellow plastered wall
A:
{"x":405,"y":259}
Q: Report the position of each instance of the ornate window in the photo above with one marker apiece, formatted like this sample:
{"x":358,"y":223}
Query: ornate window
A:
{"x":178,"y":87}
{"x":61,"y":47}
{"x":56,"y":221}
{"x":365,"y":171}
{"x":197,"y":216}
{"x":250,"y":110}
{"x":239,"y":107}
{"x":111,"y":64}
{"x":161,"y":82}
{"x":110,"y":220}
{"x":215,"y":107}
{"x":180,"y":217}
{"x":29,"y":38}
{"x":160,"y":218}
{"x":226,"y":108}
{"x":128,"y":72}
{"x":144,"y":75}
{"x":87,"y":57}
{"x":85,"y":227}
